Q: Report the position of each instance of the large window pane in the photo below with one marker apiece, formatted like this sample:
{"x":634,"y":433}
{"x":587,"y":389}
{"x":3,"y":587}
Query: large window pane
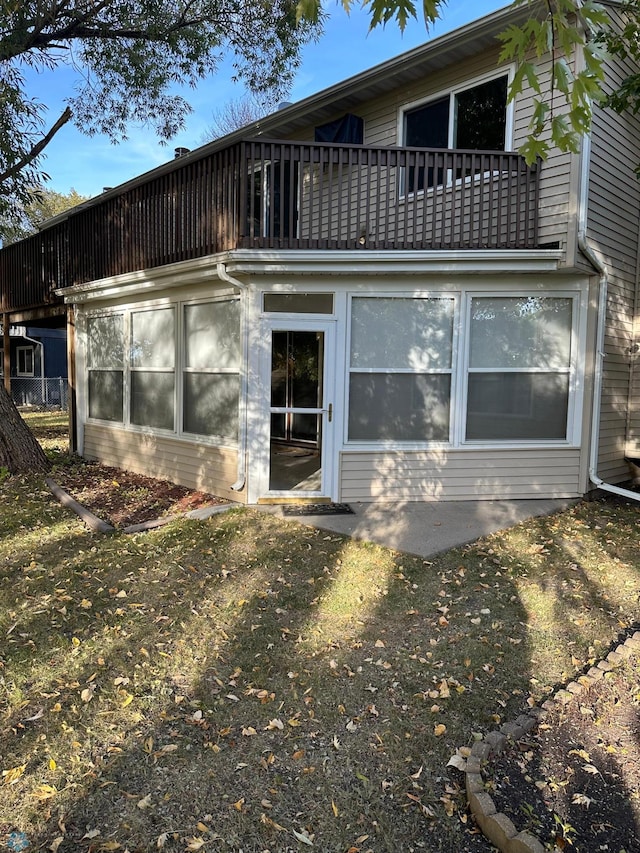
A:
{"x":427,"y":126}
{"x":399,"y":407}
{"x":105,"y":395}
{"x":153,"y":338}
{"x":394,"y":333}
{"x":105,"y":361}
{"x":211,"y":404}
{"x":212,"y":335}
{"x":480,"y":117}
{"x":152,"y":396}
{"x":105,"y":338}
{"x":517,"y":406}
{"x":521,"y":332}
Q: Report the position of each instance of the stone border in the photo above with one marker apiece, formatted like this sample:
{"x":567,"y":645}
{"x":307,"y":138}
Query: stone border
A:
{"x":496,"y":826}
{"x":101,"y":526}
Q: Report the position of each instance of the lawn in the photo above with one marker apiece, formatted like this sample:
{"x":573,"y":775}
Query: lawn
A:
{"x":252,"y":684}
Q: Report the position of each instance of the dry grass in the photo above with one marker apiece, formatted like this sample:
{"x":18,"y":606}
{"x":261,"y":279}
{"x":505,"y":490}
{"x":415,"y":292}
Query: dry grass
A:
{"x":248,"y":683}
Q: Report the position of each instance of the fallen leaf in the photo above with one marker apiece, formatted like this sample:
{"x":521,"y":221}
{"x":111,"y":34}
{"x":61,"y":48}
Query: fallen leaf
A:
{"x":195,"y":843}
{"x":302,"y":837}
{"x":439,"y":730}
{"x":457,"y":761}
{"x":582,"y":753}
{"x":145,"y":802}
{"x":10,"y":777}
{"x":56,"y":843}
{"x":274,"y":724}
{"x":45,"y":792}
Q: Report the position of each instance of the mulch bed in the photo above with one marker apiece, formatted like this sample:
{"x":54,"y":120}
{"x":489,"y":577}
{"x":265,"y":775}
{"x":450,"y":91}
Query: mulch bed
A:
{"x":123,"y":498}
{"x":575,"y":782}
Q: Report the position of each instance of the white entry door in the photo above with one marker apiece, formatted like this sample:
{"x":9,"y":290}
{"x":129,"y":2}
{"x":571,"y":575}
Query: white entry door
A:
{"x":298,"y":374}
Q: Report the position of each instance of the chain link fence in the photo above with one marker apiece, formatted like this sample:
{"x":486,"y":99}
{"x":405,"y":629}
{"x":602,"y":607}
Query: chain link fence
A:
{"x":41,"y":394}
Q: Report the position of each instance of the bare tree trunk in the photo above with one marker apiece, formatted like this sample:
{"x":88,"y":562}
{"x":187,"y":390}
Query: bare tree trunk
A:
{"x":19,"y":450}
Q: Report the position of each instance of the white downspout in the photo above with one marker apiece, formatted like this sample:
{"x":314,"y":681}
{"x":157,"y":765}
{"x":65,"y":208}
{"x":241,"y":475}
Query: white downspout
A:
{"x":222,"y":273}
{"x":601,"y":268}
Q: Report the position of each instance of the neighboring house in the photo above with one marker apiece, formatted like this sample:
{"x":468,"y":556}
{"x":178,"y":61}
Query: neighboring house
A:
{"x":38,"y":359}
{"x":366,"y":295}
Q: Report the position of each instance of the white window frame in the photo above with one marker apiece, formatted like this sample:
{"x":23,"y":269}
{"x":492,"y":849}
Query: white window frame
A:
{"x":93,"y":315}
{"x":575,"y":371}
{"x":130,"y":369}
{"x":368,"y":444}
{"x":182,"y":369}
{"x":506,"y":70}
{"x":22,"y":351}
{"x":127,"y":311}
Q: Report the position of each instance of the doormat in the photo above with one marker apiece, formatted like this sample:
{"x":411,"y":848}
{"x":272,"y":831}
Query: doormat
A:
{"x":317,"y":509}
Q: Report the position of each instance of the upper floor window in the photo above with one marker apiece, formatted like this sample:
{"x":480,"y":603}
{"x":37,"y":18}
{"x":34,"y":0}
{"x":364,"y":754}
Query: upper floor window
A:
{"x":471,"y":119}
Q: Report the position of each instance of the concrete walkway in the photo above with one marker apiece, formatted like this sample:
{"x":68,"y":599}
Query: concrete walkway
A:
{"x":427,"y":528}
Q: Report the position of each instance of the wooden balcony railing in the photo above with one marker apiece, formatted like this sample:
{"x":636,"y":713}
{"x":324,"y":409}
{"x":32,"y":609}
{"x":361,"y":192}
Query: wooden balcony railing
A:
{"x":262,"y":194}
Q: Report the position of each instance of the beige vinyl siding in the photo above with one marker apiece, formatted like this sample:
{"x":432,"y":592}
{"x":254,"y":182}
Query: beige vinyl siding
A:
{"x":196,"y":466}
{"x":614,"y":206}
{"x":555,"y":172}
{"x":469,"y":475}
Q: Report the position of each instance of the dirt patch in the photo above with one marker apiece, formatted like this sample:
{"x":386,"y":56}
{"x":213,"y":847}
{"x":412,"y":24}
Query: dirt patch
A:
{"x":575,"y":783}
{"x":123,"y":498}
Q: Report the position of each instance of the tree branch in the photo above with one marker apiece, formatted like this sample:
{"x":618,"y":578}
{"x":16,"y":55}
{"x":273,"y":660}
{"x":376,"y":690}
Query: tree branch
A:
{"x":37,"y":149}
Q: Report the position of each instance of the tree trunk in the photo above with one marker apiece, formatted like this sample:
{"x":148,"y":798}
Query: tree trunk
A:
{"x":19,"y":450}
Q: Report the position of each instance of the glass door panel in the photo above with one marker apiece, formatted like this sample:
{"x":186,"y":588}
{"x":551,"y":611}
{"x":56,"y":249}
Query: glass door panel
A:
{"x":296,"y":411}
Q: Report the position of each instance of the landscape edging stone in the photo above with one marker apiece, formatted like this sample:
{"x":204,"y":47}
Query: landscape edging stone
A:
{"x":497,"y":827}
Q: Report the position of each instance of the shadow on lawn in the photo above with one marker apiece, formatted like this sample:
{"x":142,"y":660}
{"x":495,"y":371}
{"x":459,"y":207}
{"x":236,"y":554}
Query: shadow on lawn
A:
{"x":244,"y":679}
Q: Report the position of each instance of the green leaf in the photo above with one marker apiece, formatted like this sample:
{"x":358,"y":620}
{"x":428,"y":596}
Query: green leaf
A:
{"x":309,"y":10}
{"x":562,"y":76}
{"x":525,"y":71}
{"x":534,"y":149}
{"x":541,"y":110}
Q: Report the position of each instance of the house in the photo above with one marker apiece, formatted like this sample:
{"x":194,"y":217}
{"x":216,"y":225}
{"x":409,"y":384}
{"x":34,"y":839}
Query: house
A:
{"x":38,"y":366}
{"x":366,"y":295}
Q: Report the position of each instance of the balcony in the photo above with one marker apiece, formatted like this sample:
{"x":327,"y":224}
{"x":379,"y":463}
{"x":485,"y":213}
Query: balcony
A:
{"x":263,"y":194}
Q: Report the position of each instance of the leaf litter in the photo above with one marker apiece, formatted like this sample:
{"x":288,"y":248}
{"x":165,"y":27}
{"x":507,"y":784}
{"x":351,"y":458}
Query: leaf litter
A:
{"x":250,"y":683}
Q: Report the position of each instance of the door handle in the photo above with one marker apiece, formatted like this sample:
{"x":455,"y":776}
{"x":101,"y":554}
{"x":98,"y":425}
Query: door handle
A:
{"x":330,"y":412}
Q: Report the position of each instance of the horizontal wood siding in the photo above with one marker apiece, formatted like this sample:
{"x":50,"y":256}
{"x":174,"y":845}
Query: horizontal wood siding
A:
{"x":473,"y":475}
{"x":196,"y":466}
{"x":613,"y":222}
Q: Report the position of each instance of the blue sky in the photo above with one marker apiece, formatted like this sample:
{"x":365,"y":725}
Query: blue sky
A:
{"x":90,"y":163}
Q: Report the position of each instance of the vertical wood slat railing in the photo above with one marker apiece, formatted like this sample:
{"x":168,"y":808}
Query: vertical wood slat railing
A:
{"x":281,"y":194}
{"x":330,"y":196}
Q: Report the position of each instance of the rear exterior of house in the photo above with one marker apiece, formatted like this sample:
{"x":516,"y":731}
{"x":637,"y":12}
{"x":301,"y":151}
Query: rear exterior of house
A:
{"x":407,"y":312}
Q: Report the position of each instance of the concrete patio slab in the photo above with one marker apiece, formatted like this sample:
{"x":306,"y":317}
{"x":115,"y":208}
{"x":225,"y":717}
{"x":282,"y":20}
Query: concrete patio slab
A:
{"x":427,"y":528}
